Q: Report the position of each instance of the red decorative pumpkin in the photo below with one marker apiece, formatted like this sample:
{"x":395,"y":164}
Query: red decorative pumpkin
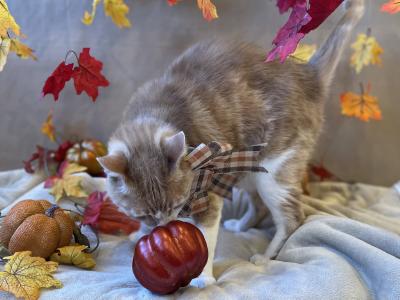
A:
{"x":170,"y":257}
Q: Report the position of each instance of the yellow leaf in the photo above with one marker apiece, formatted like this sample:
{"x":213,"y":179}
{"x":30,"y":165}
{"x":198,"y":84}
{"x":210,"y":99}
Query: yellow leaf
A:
{"x":7,"y":20}
{"x":69,"y":184}
{"x":363,"y":106}
{"x":89,"y":17}
{"x":48,"y":127}
{"x":4,"y":49}
{"x":25,"y":275}
{"x":74,"y":255}
{"x":22,"y":50}
{"x":366,"y":51}
{"x":117,"y":10}
{"x":208,"y":9}
{"x":304,"y":52}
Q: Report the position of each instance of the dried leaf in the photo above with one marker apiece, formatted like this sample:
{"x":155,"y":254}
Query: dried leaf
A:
{"x":104,"y":215}
{"x":74,"y":255}
{"x":41,"y":156}
{"x":304,"y":52}
{"x":208,"y":9}
{"x":117,"y":10}
{"x":80,"y":238}
{"x":55,"y":83}
{"x":87,"y":76}
{"x":4,"y":50}
{"x":65,"y":183}
{"x":22,"y":50}
{"x":24,"y":275}
{"x":48,"y":127}
{"x":363,"y":106}
{"x":89,"y":17}
{"x":391,"y":7}
{"x":7,"y":21}
{"x":366,"y":51}
{"x":4,"y":252}
{"x":321,"y":172}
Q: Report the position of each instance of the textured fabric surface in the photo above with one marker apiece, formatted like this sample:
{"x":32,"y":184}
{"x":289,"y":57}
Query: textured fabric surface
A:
{"x":353,"y":150}
{"x":349,"y":248}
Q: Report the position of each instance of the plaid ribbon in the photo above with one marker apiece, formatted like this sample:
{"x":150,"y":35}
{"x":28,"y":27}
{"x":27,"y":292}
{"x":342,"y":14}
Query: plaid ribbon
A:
{"x":217,"y":169}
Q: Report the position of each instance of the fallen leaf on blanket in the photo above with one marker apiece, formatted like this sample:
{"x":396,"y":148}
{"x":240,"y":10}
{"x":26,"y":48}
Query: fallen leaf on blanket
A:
{"x":48,"y":127}
{"x":366,"y":51}
{"x":117,"y":10}
{"x":87,"y":76}
{"x":88,"y":17}
{"x":104,"y":215}
{"x":55,"y":83}
{"x":7,"y":21}
{"x":4,"y":50}
{"x":24,"y":275}
{"x":362,"y":106}
{"x":321,"y":172}
{"x":65,"y":183}
{"x":22,"y":50}
{"x":304,"y":52}
{"x":74,"y":255}
{"x":391,"y":7}
{"x":302,"y":20}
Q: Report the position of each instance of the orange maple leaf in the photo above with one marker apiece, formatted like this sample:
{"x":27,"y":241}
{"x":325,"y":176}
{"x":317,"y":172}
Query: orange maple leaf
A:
{"x":363,"y":106}
{"x":48,"y":127}
{"x":391,"y":7}
{"x":208,"y":8}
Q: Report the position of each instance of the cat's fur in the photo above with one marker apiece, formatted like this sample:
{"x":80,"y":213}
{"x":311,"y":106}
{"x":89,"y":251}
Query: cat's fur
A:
{"x":224,"y":92}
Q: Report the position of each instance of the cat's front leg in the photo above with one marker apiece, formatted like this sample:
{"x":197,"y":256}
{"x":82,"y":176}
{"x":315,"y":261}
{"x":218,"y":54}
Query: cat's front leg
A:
{"x":208,"y":222}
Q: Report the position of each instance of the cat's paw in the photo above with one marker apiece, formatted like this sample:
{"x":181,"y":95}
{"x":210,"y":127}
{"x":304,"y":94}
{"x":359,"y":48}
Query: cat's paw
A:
{"x":203,"y":281}
{"x":232,"y":225}
{"x":259,"y":259}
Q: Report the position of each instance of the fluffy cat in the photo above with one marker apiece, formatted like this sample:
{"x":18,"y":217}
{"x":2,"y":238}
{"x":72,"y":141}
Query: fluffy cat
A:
{"x":224,"y":92}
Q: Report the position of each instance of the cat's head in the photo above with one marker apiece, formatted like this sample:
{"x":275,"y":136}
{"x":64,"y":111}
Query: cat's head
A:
{"x":147,"y":176}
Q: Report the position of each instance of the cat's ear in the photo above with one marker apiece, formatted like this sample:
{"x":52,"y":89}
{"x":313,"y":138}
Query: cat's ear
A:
{"x":115,"y":162}
{"x":174,"y":147}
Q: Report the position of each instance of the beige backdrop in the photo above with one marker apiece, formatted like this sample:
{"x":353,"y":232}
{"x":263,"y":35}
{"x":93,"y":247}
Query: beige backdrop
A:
{"x":355,"y":151}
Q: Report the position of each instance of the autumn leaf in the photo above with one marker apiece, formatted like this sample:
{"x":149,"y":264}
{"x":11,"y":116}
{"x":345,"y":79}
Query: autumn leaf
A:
{"x":104,"y":215}
{"x":391,"y":7}
{"x":304,"y":52}
{"x":42,"y":156}
{"x":285,"y":5}
{"x":24,"y":275}
{"x":321,"y":172}
{"x":117,"y":10}
{"x":172,"y":2}
{"x":363,"y":106}
{"x":7,"y":21}
{"x":56,"y":81}
{"x":4,"y":49}
{"x":22,"y":50}
{"x":87,"y":76}
{"x":65,"y":183}
{"x":74,"y":255}
{"x":89,"y":17}
{"x":208,"y":9}
{"x":48,"y":127}
{"x":366,"y":51}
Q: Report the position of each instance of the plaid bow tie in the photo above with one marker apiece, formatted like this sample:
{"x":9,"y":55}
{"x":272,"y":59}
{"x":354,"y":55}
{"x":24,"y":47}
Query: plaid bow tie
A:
{"x":217,"y":169}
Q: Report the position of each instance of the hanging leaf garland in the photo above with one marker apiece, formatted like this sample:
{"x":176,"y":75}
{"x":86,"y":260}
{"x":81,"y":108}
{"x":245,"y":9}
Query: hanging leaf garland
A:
{"x":304,"y":18}
{"x":87,"y":76}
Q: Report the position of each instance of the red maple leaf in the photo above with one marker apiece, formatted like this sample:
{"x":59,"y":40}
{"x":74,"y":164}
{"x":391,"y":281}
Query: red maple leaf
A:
{"x":56,"y":81}
{"x":41,"y":156}
{"x":61,"y":152}
{"x":104,"y":215}
{"x":319,"y":11}
{"x":289,"y":35}
{"x":87,"y":76}
{"x":321,"y":172}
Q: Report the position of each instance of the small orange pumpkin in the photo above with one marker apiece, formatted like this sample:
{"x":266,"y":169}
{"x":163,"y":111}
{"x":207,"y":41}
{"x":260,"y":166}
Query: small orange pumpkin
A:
{"x":85,"y":153}
{"x":37,"y":226}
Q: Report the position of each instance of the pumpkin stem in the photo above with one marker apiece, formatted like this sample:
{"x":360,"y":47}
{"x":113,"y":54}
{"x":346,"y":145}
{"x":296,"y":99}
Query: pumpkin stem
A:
{"x":50,"y":211}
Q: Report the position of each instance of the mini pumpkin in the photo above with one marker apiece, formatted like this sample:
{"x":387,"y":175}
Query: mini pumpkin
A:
{"x":85,"y":153}
{"x":37,"y":226}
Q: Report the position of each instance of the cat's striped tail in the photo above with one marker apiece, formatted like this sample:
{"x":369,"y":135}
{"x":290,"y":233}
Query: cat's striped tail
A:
{"x":329,"y":54}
